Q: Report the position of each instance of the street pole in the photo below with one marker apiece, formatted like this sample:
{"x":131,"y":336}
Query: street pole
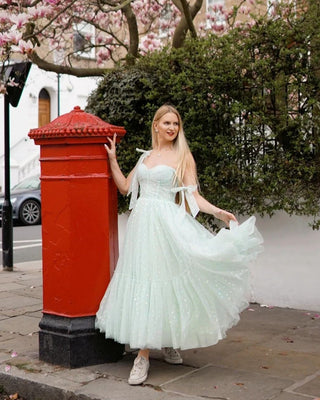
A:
{"x":18,"y":73}
{"x":7,"y":230}
{"x":58,"y":90}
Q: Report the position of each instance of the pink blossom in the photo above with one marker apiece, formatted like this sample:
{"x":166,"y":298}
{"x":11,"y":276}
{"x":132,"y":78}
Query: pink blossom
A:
{"x":218,"y":27}
{"x":103,"y":55}
{"x":3,"y":39}
{"x":19,"y":20}
{"x":41,"y":12}
{"x":14,"y":36}
{"x":4,"y":17}
{"x":23,"y":47}
{"x":244,"y":10}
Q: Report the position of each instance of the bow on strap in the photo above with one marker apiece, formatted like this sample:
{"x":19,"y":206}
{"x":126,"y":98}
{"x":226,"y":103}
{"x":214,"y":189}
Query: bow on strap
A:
{"x":134,"y":186}
{"x":186,"y":193}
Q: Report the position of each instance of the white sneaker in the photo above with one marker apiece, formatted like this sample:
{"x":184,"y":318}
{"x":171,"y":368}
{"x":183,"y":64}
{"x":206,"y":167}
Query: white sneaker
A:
{"x":139,"y":371}
{"x":172,"y":356}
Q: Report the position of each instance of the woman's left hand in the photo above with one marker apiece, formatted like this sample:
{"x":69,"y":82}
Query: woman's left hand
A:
{"x":225,"y":216}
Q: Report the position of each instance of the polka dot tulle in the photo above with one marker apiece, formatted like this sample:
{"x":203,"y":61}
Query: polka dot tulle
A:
{"x":176,"y":284}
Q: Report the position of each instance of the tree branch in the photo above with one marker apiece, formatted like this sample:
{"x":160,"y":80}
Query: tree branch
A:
{"x":133,"y":33}
{"x":113,"y":8}
{"x":63,"y":69}
{"x":182,"y":28}
{"x":189,"y":18}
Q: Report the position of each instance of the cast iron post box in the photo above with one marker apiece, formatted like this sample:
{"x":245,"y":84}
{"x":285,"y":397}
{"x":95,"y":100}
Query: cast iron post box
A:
{"x":79,"y":237}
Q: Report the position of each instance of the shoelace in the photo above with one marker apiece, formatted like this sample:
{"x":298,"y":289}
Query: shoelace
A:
{"x":137,"y":366}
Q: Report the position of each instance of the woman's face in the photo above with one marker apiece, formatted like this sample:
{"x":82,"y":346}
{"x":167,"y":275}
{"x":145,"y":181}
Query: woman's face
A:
{"x":168,"y":127}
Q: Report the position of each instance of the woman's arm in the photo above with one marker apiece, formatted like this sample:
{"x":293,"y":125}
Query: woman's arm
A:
{"x":203,"y":204}
{"x":120,"y":180}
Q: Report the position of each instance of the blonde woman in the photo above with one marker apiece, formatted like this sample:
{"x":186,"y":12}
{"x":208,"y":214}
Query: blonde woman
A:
{"x":176,"y":286}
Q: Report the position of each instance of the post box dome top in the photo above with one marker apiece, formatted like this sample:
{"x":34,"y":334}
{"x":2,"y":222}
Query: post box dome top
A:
{"x":75,"y":124}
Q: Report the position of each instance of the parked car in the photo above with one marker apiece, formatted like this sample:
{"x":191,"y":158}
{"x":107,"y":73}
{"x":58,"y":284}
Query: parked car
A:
{"x":26,"y":201}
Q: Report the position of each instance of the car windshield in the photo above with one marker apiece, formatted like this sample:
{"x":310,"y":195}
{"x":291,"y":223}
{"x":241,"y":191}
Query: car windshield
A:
{"x":31,"y":183}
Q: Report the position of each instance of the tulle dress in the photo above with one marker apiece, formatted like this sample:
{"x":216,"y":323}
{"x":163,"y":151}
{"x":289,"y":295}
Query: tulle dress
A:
{"x":176,"y":284}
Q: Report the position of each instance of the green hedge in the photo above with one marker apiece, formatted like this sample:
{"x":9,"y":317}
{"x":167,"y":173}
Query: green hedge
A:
{"x":250,"y":106}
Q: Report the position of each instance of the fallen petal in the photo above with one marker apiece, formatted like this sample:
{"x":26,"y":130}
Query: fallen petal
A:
{"x":7,"y":368}
{"x":14,"y":354}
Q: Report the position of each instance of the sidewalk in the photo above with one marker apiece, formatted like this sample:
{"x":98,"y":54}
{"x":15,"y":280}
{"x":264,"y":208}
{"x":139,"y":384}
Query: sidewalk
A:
{"x":272,"y":354}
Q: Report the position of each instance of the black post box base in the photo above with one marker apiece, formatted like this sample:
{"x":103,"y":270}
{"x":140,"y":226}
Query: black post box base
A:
{"x":74,"y":342}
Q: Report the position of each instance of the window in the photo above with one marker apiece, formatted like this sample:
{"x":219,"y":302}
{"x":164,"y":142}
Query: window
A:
{"x":84,"y":40}
{"x":165,"y":21}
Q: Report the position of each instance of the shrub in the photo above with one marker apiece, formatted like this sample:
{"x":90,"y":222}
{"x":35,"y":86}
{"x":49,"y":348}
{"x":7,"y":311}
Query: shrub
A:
{"x":250,"y":105}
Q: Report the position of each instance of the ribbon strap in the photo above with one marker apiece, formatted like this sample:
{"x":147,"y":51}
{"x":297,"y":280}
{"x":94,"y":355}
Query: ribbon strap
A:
{"x":134,"y":186}
{"x":186,"y":193}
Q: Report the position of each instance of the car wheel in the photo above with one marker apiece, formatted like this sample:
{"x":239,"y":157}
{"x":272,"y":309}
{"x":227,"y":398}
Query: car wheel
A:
{"x":30,"y":212}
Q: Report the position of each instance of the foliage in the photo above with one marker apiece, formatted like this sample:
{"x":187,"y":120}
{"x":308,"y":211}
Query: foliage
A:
{"x":250,"y":105}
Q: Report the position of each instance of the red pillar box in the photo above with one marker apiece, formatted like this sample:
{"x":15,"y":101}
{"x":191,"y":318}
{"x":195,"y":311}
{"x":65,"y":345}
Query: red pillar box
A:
{"x":79,"y":237}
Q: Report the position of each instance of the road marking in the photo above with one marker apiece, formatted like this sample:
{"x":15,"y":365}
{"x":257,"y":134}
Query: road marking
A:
{"x":27,"y":241}
{"x":28,"y":246}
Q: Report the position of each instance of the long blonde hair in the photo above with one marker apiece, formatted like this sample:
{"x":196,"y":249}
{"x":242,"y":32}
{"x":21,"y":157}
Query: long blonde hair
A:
{"x":180,"y":145}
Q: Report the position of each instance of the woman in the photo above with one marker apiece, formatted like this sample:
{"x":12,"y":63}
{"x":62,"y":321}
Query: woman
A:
{"x":176,"y":285}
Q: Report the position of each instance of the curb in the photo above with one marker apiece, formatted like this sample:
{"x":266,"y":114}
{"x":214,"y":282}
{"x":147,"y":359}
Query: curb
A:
{"x":32,"y":390}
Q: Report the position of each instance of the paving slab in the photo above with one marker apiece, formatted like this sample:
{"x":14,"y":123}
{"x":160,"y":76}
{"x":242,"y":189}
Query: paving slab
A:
{"x":116,"y":389}
{"x":11,"y":286}
{"x":312,"y":387}
{"x":23,"y":324}
{"x":23,"y":310}
{"x":290,"y":396}
{"x":159,"y":372}
{"x":291,"y":364}
{"x":31,"y":291}
{"x":21,"y":345}
{"x":227,"y":383}
{"x":16,"y":301}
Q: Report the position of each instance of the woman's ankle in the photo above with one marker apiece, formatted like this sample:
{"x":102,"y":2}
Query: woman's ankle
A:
{"x":144,"y":353}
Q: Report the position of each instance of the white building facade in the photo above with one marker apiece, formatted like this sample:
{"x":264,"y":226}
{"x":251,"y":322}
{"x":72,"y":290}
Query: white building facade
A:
{"x":62,"y":94}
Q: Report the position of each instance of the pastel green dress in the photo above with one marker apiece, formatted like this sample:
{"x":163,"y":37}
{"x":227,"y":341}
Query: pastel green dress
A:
{"x":176,"y":284}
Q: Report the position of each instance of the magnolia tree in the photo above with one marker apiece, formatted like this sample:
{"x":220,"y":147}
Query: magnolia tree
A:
{"x":53,"y":33}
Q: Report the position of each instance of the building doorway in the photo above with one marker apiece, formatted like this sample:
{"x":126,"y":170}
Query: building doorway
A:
{"x":44,"y":115}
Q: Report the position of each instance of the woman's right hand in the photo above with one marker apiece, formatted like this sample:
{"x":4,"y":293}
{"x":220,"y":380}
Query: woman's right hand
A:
{"x":111,"y":149}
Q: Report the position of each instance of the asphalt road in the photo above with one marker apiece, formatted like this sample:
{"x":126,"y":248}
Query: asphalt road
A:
{"x":27,"y":244}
